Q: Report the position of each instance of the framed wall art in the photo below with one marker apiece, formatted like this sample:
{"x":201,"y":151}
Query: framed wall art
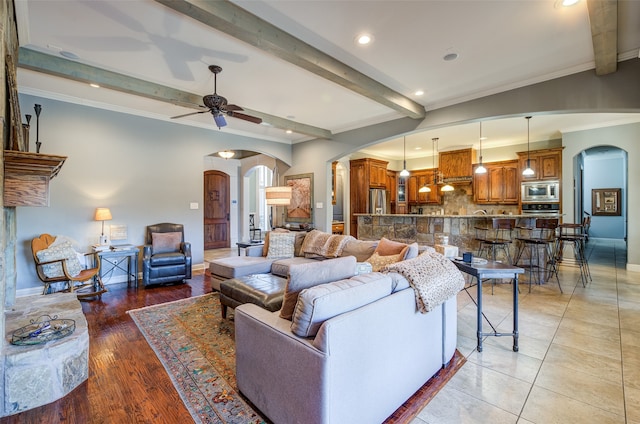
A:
{"x":300,"y":209}
{"x":605,"y":201}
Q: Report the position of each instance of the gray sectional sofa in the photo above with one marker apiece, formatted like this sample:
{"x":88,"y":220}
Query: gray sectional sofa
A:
{"x":355,"y":351}
{"x":256,"y":261}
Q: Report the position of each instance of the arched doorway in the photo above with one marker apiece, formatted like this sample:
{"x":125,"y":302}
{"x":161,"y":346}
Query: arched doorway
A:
{"x":603,"y":169}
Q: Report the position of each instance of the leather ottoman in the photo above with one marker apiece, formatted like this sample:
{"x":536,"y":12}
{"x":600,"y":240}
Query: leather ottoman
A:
{"x":264,"y":290}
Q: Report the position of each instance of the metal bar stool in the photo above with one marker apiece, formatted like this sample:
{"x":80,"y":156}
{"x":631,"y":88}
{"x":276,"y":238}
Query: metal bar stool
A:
{"x":542,"y":237}
{"x":574,"y":235}
{"x":495,"y":238}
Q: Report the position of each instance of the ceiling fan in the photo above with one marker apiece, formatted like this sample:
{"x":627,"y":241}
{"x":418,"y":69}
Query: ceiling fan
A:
{"x":218,"y":105}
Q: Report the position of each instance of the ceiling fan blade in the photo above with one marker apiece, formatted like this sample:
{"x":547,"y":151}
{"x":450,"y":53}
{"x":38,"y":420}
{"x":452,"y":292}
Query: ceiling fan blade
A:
{"x":189,"y":114}
{"x":233,"y":107}
{"x":244,"y":117}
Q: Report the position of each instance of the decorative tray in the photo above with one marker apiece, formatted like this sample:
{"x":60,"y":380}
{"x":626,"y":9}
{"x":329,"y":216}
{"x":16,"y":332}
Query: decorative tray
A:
{"x":42,"y":330}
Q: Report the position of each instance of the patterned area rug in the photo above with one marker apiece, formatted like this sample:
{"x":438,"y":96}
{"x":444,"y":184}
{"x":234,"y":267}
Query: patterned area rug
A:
{"x":196,"y":347}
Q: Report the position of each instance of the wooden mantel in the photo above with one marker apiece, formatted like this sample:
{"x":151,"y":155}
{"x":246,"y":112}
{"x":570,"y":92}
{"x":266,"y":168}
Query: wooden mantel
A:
{"x":27,"y":176}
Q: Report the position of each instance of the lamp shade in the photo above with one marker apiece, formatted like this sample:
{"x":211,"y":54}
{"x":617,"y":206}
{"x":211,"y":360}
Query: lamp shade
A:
{"x":102,"y":214}
{"x":278,"y":195}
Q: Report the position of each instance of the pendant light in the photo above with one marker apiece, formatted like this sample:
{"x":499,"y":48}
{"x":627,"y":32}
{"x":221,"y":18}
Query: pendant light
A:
{"x":404,"y":172}
{"x":528,"y":171}
{"x":480,"y":169}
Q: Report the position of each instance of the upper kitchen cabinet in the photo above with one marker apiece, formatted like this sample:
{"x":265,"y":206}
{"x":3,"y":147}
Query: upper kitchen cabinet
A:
{"x":546,"y":164}
{"x":418,"y":179}
{"x":364,"y":174}
{"x":499,"y":186}
{"x":457,"y":166}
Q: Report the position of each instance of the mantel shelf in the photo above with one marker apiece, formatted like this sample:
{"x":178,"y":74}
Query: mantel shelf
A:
{"x":27,"y":176}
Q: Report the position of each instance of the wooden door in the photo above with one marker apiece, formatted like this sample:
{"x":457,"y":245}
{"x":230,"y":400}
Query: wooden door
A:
{"x":216,"y":210}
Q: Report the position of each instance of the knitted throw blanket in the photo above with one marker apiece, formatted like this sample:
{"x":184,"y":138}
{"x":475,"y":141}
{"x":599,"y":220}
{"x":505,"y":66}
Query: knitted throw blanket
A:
{"x":433,"y":278}
{"x":325,"y":244}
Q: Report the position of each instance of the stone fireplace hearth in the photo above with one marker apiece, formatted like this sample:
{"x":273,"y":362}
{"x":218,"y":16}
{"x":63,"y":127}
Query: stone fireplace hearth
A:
{"x":36,"y":375}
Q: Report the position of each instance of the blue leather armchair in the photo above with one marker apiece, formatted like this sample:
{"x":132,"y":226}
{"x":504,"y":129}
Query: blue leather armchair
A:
{"x":166,"y":257}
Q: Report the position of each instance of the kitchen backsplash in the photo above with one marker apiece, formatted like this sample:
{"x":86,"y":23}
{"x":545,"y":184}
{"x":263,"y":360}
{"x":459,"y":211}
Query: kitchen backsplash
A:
{"x":458,"y":202}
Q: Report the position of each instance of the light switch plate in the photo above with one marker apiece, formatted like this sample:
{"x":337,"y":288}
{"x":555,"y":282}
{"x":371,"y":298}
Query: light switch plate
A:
{"x":319,"y":205}
{"x":193,"y":205}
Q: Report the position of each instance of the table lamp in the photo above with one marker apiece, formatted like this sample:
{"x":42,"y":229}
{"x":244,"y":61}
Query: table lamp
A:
{"x":102,"y":214}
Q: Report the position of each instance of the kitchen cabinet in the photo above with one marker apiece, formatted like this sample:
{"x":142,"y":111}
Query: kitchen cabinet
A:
{"x":393,"y":190}
{"x":364,"y":174}
{"x":418,"y":179}
{"x":546,"y":164}
{"x":499,"y":186}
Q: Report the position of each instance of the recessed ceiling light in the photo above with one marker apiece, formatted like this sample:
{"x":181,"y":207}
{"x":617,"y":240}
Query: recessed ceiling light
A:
{"x":94,"y":85}
{"x":418,"y":148}
{"x":364,"y":39}
{"x":69,"y":55}
{"x":289,"y":132}
{"x":419,"y":93}
{"x":450,"y":56}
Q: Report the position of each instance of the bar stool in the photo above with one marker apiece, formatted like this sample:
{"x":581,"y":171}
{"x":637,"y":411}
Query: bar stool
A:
{"x":495,"y":238}
{"x":574,"y":235}
{"x":542,"y":237}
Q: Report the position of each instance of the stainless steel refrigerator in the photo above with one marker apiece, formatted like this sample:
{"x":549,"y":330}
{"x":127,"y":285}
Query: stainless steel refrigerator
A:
{"x":379,"y":201}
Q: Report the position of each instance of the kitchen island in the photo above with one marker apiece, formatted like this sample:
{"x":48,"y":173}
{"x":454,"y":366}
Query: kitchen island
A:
{"x":429,"y":229}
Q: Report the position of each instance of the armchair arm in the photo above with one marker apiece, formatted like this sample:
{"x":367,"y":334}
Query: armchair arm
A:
{"x":146,"y":252}
{"x":254,"y":251}
{"x":186,"y":248}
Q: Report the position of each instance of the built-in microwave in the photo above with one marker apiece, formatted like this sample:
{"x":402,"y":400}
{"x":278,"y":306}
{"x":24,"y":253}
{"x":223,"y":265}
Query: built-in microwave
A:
{"x":540,"y":191}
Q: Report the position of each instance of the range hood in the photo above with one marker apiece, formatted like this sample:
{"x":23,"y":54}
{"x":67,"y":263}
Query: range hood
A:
{"x":457,"y":166}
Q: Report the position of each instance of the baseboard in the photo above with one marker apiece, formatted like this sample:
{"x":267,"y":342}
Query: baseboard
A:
{"x":633,"y":267}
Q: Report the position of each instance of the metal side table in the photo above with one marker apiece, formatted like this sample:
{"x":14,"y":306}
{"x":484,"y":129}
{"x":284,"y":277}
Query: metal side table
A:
{"x":123,"y":259}
{"x":488,"y":270}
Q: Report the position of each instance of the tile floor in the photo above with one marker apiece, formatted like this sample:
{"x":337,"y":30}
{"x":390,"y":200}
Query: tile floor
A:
{"x":578,"y":362}
{"x":579,"y":358}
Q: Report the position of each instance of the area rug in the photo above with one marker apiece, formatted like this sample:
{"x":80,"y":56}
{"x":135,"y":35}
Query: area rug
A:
{"x":196,"y":347}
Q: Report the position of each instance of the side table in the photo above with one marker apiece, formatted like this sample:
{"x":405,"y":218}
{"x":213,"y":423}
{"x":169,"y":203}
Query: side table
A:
{"x":123,"y":259}
{"x":244,"y":245}
{"x":493,"y":269}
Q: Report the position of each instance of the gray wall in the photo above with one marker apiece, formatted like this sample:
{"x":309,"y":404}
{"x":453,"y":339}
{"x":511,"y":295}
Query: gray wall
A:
{"x":146,"y":171}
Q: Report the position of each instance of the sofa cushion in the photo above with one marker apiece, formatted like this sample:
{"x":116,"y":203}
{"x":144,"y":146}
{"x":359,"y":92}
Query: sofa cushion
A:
{"x":56,"y":251}
{"x":281,"y":267}
{"x":378,"y":262}
{"x":319,"y":303}
{"x":281,"y":245}
{"x":305,"y":275}
{"x":166,"y":242}
{"x":238,"y":266}
{"x":361,"y":249}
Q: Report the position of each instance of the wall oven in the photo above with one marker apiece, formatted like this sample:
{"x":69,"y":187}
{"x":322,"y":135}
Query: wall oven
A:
{"x":540,"y":208}
{"x":540,"y":191}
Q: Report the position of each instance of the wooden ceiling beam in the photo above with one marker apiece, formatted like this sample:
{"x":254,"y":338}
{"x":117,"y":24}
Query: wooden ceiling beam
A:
{"x":603,"y":18}
{"x":58,"y":66}
{"x":232,"y":20}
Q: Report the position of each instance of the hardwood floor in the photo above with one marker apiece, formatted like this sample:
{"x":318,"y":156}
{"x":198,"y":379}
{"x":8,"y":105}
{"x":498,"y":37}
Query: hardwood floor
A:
{"x":127,"y":383}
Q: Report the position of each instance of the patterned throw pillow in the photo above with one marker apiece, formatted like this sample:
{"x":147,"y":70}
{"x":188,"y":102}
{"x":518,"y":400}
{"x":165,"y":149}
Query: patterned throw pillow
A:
{"x":58,"y":251}
{"x":378,"y":262}
{"x":281,"y":245}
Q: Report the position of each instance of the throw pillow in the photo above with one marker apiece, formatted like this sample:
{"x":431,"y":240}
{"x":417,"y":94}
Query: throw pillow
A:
{"x":361,"y":249}
{"x":281,"y":245}
{"x":302,"y":276}
{"x":378,"y":262}
{"x":412,"y":251}
{"x":59,"y":251}
{"x":166,"y":242}
{"x":388,"y":247}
